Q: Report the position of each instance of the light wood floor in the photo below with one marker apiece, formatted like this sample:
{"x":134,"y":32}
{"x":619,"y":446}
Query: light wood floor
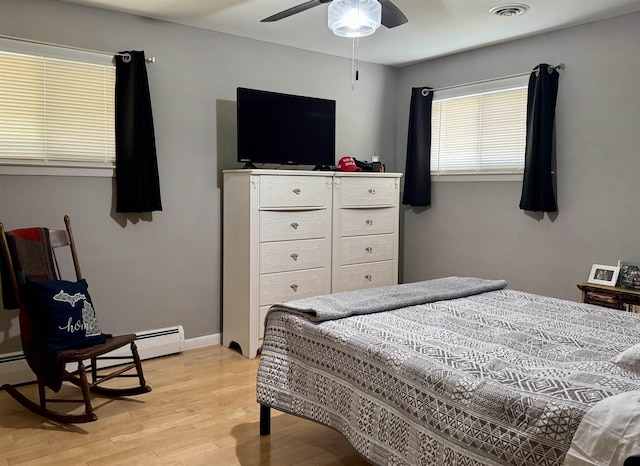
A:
{"x":202,"y":411}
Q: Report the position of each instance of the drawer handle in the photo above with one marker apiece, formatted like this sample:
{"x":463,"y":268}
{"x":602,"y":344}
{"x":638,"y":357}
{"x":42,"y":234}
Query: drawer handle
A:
{"x":369,"y":221}
{"x":294,"y":256}
{"x":296,"y":191}
{"x":368,"y":277}
{"x":368,"y":249}
{"x":294,"y":287}
{"x":294,"y":225}
{"x":372,"y":191}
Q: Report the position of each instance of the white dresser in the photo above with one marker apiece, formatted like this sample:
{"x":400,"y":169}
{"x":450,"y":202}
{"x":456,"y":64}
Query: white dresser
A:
{"x":290,"y":234}
{"x":365,"y":231}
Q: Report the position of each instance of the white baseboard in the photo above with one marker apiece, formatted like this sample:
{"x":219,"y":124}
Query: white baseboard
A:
{"x":203,"y":341}
{"x":151,"y":344}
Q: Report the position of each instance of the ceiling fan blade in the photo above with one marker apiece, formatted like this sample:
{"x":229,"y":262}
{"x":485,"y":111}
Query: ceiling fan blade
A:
{"x":391,"y":14}
{"x":294,"y":10}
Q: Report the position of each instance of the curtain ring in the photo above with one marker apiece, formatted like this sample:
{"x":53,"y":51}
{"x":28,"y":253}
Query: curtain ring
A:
{"x":425,"y":92}
{"x":550,"y":69}
{"x":126,"y":57}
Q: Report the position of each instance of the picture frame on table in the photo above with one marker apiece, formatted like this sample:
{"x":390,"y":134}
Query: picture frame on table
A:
{"x":629,"y":276}
{"x":604,"y":274}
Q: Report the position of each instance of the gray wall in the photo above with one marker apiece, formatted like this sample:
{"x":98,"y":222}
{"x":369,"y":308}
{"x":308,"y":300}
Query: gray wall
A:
{"x":164,"y":269}
{"x":477,"y":228}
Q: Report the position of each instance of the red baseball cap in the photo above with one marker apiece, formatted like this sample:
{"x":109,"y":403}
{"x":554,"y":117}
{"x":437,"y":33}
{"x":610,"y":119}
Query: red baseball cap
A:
{"x":346,"y":164}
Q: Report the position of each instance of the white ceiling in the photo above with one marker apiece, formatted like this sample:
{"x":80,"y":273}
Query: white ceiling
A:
{"x":435,"y":27}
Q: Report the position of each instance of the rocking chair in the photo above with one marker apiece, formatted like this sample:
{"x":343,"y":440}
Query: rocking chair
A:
{"x":29,"y":265}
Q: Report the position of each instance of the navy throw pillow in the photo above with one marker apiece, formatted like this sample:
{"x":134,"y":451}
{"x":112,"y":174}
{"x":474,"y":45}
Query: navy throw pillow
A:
{"x":63,"y":314}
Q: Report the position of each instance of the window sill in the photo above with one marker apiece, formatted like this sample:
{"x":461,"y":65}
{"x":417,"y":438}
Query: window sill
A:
{"x":477,"y":177}
{"x":41,"y":170}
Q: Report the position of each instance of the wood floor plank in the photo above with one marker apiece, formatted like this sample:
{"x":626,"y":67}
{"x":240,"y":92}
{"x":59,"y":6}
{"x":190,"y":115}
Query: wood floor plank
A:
{"x":202,"y":411}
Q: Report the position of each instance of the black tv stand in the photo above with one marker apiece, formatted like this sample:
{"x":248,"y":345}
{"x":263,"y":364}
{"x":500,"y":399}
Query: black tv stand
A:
{"x":325,"y":168}
{"x":248,"y":165}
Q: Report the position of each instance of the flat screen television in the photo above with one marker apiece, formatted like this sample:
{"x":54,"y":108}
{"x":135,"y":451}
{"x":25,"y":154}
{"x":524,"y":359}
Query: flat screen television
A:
{"x":284,"y":129}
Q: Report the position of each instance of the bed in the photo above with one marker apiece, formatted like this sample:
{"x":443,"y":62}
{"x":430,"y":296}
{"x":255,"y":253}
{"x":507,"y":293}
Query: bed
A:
{"x":457,"y":371}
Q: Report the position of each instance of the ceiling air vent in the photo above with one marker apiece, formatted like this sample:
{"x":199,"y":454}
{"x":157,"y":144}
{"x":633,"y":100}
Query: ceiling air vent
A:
{"x":512,"y":9}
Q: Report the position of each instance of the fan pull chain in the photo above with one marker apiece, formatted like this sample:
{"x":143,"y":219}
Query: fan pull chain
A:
{"x":357,"y":60}
{"x":354,"y":63}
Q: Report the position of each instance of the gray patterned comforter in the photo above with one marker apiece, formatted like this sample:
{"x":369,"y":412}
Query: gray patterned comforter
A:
{"x":498,"y":378}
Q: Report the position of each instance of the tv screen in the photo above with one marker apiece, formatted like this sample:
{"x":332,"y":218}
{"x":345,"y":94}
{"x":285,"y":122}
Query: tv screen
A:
{"x":285,"y":129}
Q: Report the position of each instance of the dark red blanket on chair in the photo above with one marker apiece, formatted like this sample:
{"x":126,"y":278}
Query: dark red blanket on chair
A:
{"x":30,"y":252}
{"x":32,"y":258}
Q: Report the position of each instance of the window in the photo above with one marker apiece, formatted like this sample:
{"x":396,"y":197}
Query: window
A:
{"x":480,"y":129}
{"x":55,"y":110}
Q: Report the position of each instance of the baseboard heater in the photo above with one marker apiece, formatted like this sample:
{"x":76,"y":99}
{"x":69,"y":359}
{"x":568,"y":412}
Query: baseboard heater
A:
{"x":151,"y":344}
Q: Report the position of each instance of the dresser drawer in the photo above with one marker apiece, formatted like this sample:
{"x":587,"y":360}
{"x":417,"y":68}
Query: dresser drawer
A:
{"x":359,"y":249}
{"x":282,"y":225}
{"x":281,"y":287}
{"x":353,"y":222}
{"x":286,"y":256}
{"x":370,"y":275}
{"x":365,"y":191}
{"x":294,"y":191}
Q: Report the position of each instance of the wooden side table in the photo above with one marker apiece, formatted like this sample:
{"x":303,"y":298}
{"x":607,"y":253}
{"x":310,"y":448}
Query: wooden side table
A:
{"x":613,"y":297}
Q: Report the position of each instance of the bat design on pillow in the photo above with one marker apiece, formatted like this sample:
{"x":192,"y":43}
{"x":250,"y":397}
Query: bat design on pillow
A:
{"x":65,"y":297}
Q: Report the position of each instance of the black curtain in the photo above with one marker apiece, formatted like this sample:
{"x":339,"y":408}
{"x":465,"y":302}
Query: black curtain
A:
{"x":417,"y":182}
{"x":137,"y":181}
{"x":537,"y":186}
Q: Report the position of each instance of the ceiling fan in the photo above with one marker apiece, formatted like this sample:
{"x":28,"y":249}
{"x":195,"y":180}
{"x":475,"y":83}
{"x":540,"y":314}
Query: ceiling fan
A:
{"x":391,"y":14}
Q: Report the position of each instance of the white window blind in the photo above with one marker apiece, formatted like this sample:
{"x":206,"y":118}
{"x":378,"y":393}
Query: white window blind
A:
{"x":56,"y":111}
{"x":479,"y":130}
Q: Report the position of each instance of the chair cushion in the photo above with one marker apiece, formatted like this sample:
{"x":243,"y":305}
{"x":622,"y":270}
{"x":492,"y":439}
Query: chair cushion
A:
{"x":63,"y":314}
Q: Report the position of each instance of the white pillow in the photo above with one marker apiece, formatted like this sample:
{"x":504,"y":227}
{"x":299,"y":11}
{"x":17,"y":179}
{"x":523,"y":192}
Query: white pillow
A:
{"x":629,"y":359}
{"x":609,"y":432}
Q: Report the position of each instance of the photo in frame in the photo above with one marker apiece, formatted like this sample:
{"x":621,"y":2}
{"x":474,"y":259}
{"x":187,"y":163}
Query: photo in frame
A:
{"x":629,"y":276}
{"x":604,"y":274}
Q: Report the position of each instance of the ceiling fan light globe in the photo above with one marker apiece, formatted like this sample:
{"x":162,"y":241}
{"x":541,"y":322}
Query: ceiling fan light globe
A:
{"x":354,"y":18}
